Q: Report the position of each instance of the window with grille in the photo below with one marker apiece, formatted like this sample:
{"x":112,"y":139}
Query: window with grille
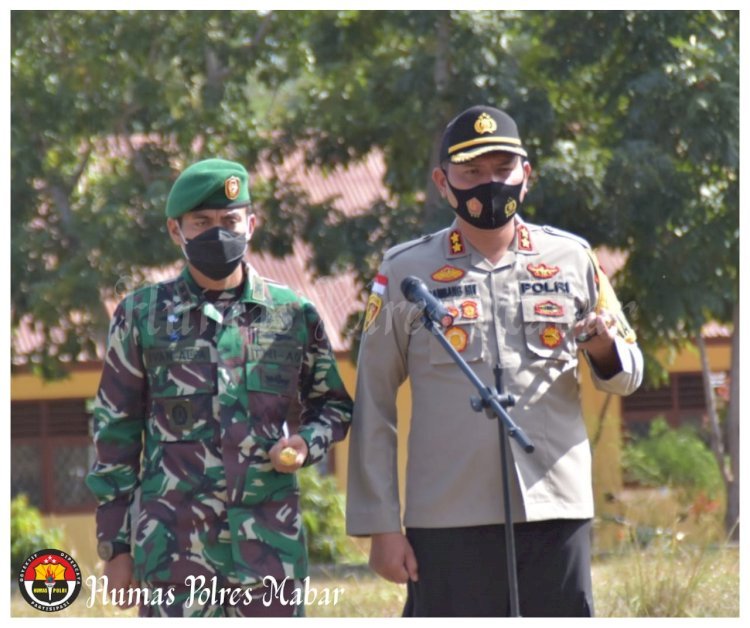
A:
{"x":51,"y":453}
{"x":682,"y":400}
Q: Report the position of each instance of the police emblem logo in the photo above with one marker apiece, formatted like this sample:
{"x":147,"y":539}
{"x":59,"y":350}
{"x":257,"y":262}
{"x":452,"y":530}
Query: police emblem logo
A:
{"x":551,"y":337}
{"x":457,"y":337}
{"x":232,"y":188}
{"x":447,"y":273}
{"x":474,"y":205}
{"x":49,"y":580}
{"x":542,"y":271}
{"x":469,"y":310}
{"x":485,"y":124}
{"x":453,"y":311}
{"x":374,"y":305}
{"x":510,"y":207}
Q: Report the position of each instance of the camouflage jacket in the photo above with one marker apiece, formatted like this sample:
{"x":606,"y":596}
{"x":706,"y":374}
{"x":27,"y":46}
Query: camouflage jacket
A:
{"x":193,"y":394}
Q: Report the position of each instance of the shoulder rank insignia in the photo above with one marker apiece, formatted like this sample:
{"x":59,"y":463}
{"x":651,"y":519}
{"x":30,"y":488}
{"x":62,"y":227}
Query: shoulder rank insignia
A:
{"x":485,"y":124}
{"x":374,"y":305}
{"x":548,"y":308}
{"x":458,"y":337}
{"x":456,"y":243}
{"x":524,"y":238}
{"x":447,"y":274}
{"x":542,"y":271}
{"x":551,"y":336}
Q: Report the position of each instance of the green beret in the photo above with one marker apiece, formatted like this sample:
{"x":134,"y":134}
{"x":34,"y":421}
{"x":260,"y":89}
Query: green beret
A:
{"x":209,"y":184}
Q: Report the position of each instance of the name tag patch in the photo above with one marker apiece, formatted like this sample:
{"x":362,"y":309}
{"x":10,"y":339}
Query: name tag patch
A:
{"x":278,"y":352}
{"x":451,"y":292}
{"x":180,"y":355}
{"x":545,"y":287}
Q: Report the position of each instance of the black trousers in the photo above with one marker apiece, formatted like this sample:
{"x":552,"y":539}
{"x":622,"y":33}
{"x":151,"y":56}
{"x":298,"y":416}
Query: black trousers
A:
{"x":462,"y":571}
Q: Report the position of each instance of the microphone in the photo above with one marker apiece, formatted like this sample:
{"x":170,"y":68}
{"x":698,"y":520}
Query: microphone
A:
{"x":416,"y":291}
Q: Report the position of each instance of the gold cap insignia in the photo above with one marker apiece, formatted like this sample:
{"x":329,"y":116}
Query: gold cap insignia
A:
{"x":232,"y":188}
{"x":485,"y":124}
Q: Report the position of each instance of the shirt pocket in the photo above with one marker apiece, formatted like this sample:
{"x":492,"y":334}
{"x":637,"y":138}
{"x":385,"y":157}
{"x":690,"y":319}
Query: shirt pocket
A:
{"x":465,"y":334}
{"x":181,"y":401}
{"x":547,"y":325}
{"x":272,"y":381}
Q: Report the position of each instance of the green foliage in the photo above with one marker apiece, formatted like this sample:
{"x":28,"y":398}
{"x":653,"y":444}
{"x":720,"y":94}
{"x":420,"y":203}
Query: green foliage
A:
{"x":631,"y":119}
{"x":322,"y":506}
{"x":676,"y":458}
{"x":27,"y":533}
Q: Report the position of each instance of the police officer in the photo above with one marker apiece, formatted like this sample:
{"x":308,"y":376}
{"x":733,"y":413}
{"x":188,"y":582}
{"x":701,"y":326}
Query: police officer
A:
{"x":530,"y":299}
{"x":201,"y":375}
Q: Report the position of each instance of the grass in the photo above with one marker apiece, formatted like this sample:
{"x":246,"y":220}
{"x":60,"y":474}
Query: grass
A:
{"x":662,"y":580}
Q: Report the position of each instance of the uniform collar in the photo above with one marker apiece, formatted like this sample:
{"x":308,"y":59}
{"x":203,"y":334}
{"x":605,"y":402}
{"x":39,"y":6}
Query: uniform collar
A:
{"x":456,"y":245}
{"x":189,"y":294}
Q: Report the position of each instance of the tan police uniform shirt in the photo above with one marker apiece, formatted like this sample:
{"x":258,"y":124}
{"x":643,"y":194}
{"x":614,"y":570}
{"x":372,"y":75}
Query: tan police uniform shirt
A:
{"x":518,"y":313}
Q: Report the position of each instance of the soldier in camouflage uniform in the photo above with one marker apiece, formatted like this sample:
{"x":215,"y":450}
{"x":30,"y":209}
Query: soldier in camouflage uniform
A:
{"x":200,"y":375}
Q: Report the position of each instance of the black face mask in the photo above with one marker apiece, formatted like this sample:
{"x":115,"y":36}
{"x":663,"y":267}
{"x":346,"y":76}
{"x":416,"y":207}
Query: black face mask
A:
{"x":489,"y":205}
{"x":216,"y":252}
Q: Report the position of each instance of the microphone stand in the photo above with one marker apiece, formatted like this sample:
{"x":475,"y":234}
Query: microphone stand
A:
{"x":494,"y":403}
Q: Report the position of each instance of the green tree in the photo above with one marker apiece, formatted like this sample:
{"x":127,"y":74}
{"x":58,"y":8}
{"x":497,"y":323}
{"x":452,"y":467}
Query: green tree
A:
{"x":648,"y":160}
{"x":106,"y":108}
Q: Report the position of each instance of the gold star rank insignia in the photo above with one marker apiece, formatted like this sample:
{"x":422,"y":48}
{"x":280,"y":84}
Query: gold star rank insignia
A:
{"x":456,"y":242}
{"x":524,"y":239}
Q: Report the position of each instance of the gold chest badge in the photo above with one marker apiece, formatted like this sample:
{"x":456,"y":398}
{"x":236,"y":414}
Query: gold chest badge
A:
{"x":458,"y":337}
{"x":551,"y":337}
{"x":447,"y":274}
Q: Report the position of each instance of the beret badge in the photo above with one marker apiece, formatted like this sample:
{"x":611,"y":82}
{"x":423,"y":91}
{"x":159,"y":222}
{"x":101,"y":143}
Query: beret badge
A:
{"x":232,"y":188}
